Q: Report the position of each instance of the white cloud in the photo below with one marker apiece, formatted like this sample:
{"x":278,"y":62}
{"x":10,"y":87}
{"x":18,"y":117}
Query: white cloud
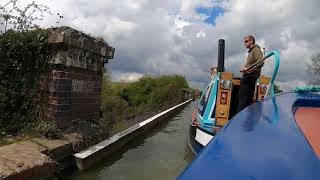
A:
{"x":291,"y":85}
{"x":180,"y":23}
{"x":168,"y":37}
{"x":118,"y":26}
{"x":129,"y":77}
{"x":201,"y":34}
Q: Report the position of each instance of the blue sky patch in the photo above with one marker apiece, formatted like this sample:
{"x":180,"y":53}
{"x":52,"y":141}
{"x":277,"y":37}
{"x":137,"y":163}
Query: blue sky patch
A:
{"x":211,"y":12}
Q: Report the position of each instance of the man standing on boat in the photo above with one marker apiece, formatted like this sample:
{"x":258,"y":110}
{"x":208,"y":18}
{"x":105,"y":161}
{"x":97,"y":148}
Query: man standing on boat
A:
{"x":213,"y":72}
{"x":250,"y":76}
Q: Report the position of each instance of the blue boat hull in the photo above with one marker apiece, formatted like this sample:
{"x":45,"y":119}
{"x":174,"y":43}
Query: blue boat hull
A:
{"x":261,"y":142}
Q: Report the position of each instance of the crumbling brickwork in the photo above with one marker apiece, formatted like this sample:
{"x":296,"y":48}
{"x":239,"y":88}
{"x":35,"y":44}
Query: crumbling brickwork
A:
{"x":74,"y":84}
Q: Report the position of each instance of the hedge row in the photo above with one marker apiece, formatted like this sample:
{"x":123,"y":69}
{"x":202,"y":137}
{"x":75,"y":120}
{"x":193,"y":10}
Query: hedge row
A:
{"x":24,"y":58}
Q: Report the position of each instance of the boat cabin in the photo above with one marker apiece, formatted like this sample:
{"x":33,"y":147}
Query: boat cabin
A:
{"x":219,"y":100}
{"x":227,"y":93}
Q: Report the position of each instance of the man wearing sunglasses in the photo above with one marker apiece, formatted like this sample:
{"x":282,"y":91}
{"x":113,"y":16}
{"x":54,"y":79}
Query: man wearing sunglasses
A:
{"x":250,"y":76}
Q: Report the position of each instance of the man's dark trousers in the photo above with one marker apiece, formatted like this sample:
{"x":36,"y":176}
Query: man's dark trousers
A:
{"x":246,"y":91}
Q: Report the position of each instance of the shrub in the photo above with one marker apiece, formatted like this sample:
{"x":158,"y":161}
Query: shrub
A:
{"x":154,"y":91}
{"x":122,"y":102}
{"x":43,"y":128}
{"x":24,"y":58}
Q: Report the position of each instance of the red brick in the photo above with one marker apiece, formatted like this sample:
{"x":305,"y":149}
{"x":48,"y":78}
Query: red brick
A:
{"x":64,"y":105}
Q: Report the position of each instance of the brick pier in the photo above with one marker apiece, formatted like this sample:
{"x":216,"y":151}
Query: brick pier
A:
{"x":74,"y":84}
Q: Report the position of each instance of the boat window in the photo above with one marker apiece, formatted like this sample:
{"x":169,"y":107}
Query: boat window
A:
{"x":213,"y":112}
{"x":204,"y":100}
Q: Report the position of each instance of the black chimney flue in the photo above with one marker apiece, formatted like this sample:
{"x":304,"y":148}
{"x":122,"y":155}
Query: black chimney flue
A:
{"x":221,"y":55}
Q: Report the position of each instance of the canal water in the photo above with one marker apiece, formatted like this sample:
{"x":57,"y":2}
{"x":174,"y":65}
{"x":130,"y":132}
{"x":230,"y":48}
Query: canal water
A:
{"x":161,"y":153}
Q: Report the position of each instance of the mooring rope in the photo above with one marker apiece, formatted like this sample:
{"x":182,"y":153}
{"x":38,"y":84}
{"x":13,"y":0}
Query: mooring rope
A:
{"x":311,"y":88}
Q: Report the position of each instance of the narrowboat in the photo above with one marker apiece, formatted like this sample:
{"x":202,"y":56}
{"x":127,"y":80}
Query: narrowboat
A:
{"x":219,"y":100}
{"x":277,"y":137}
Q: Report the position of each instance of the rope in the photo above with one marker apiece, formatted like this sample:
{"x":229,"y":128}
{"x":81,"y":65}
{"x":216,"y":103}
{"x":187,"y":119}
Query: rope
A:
{"x":311,"y":88}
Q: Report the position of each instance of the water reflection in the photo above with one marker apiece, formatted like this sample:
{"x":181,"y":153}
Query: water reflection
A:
{"x":261,"y":111}
{"x":252,"y":117}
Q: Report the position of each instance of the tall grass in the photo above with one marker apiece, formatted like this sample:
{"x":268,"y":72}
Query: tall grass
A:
{"x":123,"y":102}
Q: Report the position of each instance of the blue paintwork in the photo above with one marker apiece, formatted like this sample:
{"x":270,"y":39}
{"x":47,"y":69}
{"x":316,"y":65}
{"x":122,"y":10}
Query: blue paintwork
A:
{"x":261,"y":142}
{"x":206,"y":119}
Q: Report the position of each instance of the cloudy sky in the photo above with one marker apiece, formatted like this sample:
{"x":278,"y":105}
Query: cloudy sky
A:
{"x":181,"y":36}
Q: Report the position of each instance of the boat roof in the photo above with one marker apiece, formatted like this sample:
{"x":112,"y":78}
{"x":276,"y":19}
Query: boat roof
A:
{"x":265,"y":141}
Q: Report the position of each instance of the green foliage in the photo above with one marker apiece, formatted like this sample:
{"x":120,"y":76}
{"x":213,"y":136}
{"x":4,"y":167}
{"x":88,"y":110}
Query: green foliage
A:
{"x":113,"y":106}
{"x":24,"y":58}
{"x":123,"y":101}
{"x":154,"y":91}
{"x":42,"y":128}
{"x":112,"y":88}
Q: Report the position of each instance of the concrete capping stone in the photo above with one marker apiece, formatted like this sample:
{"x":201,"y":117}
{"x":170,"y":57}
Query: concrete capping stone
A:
{"x":72,"y":37}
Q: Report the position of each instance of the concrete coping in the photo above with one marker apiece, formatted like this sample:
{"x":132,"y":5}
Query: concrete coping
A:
{"x":104,"y":144}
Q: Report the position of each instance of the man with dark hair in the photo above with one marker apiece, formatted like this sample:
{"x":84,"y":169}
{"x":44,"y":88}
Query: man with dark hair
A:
{"x":250,"y":76}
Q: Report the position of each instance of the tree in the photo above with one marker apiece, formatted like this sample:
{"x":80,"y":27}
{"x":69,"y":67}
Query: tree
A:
{"x":19,"y":18}
{"x":314,"y":70}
